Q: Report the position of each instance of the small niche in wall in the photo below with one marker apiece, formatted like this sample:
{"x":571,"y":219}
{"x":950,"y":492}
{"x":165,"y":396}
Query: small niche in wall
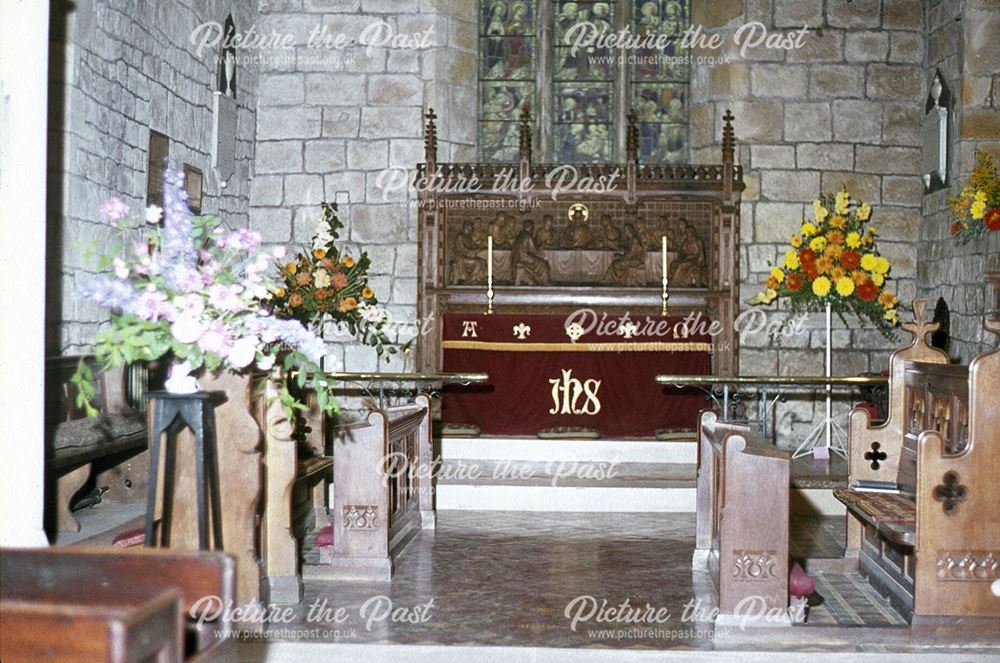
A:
{"x":159,"y":150}
{"x":935,"y":132}
{"x":224,"y":108}
{"x":193,"y":183}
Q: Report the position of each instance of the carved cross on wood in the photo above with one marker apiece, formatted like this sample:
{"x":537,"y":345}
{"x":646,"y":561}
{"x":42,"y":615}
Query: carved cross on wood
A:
{"x":950,"y":493}
{"x":920,"y":327}
{"x":875,"y":455}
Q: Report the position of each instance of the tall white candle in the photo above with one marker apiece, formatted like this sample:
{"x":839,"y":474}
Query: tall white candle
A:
{"x":489,"y":258}
{"x":663,"y":256}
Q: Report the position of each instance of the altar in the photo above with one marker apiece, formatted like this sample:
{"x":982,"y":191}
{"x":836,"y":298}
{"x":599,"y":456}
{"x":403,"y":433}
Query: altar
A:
{"x":548,"y":371}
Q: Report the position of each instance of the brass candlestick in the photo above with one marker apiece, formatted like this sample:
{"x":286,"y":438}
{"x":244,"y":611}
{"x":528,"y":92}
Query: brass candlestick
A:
{"x":489,"y":295}
{"x":664,"y":295}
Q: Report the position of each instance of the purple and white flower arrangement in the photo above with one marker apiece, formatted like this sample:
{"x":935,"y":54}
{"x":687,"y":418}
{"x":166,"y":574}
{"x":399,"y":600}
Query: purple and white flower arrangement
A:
{"x":189,"y":287}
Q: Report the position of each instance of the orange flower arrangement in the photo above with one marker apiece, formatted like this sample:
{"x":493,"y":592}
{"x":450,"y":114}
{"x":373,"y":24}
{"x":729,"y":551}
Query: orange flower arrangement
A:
{"x":977,"y":208}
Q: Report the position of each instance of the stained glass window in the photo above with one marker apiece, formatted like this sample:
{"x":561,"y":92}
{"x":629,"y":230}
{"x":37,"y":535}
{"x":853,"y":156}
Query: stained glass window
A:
{"x":577,"y":87}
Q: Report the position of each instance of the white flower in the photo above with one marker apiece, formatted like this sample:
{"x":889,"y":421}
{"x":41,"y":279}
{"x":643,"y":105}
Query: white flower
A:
{"x":243,"y":352}
{"x":278,"y":252}
{"x":322,"y":278}
{"x":187,"y":328}
{"x":213,"y":340}
{"x":154,"y":214}
{"x":266,"y":362}
{"x":121,"y":268}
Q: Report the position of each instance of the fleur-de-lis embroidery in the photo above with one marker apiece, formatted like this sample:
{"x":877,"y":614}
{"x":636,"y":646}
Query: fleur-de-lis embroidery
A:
{"x":574,"y":331}
{"x":875,"y":456}
{"x":628,"y":330}
{"x":950,"y":493}
{"x":522,"y":331}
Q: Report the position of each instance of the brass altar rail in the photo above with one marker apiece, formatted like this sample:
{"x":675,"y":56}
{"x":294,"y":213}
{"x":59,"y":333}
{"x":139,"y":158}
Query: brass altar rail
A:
{"x":800,"y":380}
{"x":765,"y":382}
{"x":448,"y":378}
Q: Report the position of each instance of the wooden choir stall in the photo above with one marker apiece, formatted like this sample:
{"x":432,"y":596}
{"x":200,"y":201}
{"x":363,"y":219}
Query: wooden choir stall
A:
{"x":526,"y":270}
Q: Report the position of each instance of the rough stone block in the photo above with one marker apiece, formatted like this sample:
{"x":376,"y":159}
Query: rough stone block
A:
{"x":266,"y":190}
{"x":855,"y":14}
{"x":332,"y":6}
{"x":857,"y":121}
{"x":789,"y":185}
{"x":303,"y":190}
{"x":762,"y":257}
{"x":385,"y":186}
{"x":341,"y":122}
{"x":807,"y":122}
{"x":778,"y":80}
{"x":888,"y":160}
{"x":378,"y":224}
{"x":282,"y":156}
{"x":406,"y":152}
{"x":274,"y":223}
{"x":982,"y":54}
{"x":405,"y":62}
{"x":395,"y":90}
{"x":837,"y":82}
{"x":349,"y":182}
{"x":798,"y":13}
{"x":772,"y":156}
{"x":980,"y":123}
{"x":901,"y":125}
{"x":383,"y":122}
{"x":902,"y":191}
{"x":728,"y":80}
{"x":775,"y":222}
{"x":367,"y":155}
{"x":863,"y":187}
{"x":903,"y":14}
{"x":907,"y":47}
{"x":758,"y":362}
{"x":335,"y":89}
{"x":324,"y":156}
{"x":756,"y":121}
{"x":273,"y":123}
{"x":716,"y":14}
{"x":895,"y":82}
{"x":824,"y":156}
{"x":897,"y":222}
{"x":866,"y":46}
{"x":702,"y":119}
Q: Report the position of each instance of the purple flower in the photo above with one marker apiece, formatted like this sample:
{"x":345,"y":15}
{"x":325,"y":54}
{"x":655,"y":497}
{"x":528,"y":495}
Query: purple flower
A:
{"x":214,"y":339}
{"x":225,"y":297}
{"x":113,"y":209}
{"x":178,"y":245}
{"x":246,"y":240}
{"x":109,"y":293}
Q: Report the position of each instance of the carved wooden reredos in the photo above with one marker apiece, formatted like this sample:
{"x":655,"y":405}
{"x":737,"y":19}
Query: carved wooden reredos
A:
{"x":597,"y":244}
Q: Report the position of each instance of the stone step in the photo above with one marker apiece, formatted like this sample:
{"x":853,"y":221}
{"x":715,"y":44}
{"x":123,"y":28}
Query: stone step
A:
{"x":539,"y":450}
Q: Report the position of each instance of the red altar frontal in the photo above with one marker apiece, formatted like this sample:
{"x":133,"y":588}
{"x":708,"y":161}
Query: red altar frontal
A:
{"x":545,"y":372}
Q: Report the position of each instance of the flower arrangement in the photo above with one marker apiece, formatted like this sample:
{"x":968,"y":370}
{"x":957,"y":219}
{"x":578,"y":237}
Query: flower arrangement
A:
{"x":833,"y":259}
{"x":325,"y":283}
{"x":977,"y":208}
{"x":187,"y":286}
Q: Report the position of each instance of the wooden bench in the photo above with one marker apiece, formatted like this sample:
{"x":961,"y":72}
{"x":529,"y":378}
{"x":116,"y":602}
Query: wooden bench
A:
{"x":742,"y":523}
{"x":89,"y":604}
{"x":382,"y":491}
{"x":934,"y":547}
{"x":74,"y":442}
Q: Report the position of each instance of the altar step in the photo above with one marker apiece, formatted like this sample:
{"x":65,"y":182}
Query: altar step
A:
{"x":531,"y":474}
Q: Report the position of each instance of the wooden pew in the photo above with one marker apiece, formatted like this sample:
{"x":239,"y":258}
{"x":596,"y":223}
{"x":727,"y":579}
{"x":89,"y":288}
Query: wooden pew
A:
{"x":74,"y":442}
{"x":382,"y":491}
{"x":934,"y":548}
{"x":133,"y":599}
{"x":742,"y":523}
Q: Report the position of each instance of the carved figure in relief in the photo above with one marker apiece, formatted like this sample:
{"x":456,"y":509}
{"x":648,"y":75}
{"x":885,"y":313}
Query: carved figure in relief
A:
{"x":688,"y":269}
{"x":547,"y":235}
{"x":466,"y":266}
{"x":578,"y":233}
{"x":610,"y":237}
{"x":626,"y":267}
{"x":527,"y":266}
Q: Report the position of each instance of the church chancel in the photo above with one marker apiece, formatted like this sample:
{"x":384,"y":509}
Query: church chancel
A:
{"x":559,"y":288}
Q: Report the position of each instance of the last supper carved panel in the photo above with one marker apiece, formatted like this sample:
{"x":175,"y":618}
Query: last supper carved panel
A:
{"x":599,"y":243}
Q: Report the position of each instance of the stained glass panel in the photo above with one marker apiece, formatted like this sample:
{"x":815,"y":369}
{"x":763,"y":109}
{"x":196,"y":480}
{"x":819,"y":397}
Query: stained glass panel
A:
{"x":583,"y":122}
{"x":507,"y":66}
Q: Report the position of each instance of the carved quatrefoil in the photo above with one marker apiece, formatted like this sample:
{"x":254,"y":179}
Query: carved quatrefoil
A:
{"x":876,"y":456}
{"x":950,"y":493}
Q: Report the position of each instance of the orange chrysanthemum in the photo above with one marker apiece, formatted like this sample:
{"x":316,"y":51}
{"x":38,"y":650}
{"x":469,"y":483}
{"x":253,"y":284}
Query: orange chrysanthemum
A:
{"x":304,"y":278}
{"x":837,"y":273}
{"x":348,"y":262}
{"x":295,"y":300}
{"x":859,"y":276}
{"x":833,"y":251}
{"x":835,"y":237}
{"x":837,"y":222}
{"x":887,"y":299}
{"x":339,"y":280}
{"x":824,"y":265}
{"x":368,"y":293}
{"x":794,"y":282}
{"x":347,"y":304}
{"x":850,"y":259}
{"x":867,"y":291}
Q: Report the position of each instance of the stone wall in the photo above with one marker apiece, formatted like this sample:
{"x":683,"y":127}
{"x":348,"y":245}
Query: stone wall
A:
{"x":331,"y":120}
{"x":845,"y":107}
{"x":961,"y":45}
{"x":118,"y":69}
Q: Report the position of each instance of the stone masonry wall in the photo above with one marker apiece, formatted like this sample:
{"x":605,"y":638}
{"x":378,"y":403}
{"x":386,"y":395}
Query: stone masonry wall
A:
{"x":118,"y":69}
{"x":962,"y":46}
{"x":843,"y":108}
{"x":331,"y":120}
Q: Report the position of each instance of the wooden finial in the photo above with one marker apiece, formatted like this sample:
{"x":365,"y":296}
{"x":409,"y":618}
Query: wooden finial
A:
{"x":728,"y":138}
{"x":525,"y":137}
{"x":992,"y":326}
{"x":632,"y":137}
{"x":920,"y":327}
{"x":430,"y":140}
